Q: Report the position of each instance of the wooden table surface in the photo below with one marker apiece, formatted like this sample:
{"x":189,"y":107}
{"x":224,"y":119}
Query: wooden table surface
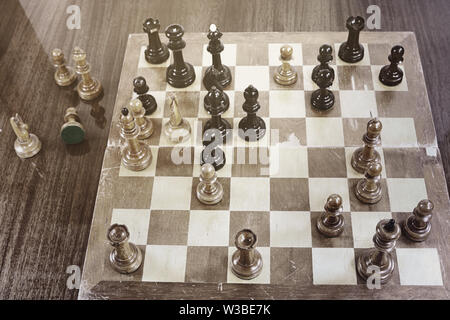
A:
{"x":46,"y":202}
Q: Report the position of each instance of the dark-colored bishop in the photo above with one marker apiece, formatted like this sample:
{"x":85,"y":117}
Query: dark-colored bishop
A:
{"x":352,"y":51}
{"x":391,"y":75}
{"x":216,"y":128}
{"x":179,"y":74}
{"x":325,"y":57}
{"x":148,"y":101}
{"x":156,"y":51}
{"x":251,"y":127}
{"x":222,"y":74}
{"x":323,"y":99}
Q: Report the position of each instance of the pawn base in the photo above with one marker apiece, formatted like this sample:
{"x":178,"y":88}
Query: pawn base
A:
{"x":180,"y":77}
{"x":209,"y":198}
{"x":177,"y":134}
{"x":365,"y":196}
{"x":415,"y":234}
{"x":350,"y":54}
{"x":222,"y":77}
{"x":157,"y":56}
{"x":139,"y":161}
{"x":65,"y":80}
{"x":128,"y":266}
{"x":389,"y":77}
{"x":246,"y":272}
{"x":146,"y":130}
{"x":214,"y":156}
{"x":330,"y":230}
{"x":322,"y":101}
{"x":91,"y":92}
{"x":285,"y":78}
{"x":252,"y":132}
{"x":28,"y":149}
{"x":149,"y":103}
{"x":365,"y":266}
{"x":359,"y":163}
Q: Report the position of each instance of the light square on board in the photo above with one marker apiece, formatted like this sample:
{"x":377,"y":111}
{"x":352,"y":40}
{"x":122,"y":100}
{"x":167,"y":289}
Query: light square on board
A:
{"x":358,"y":104}
{"x":364,"y":62}
{"x":144,"y":64}
{"x":263,"y":278}
{"x":291,"y":266}
{"x":171,"y":193}
{"x":288,"y":161}
{"x":155,"y":79}
{"x":355,"y":78}
{"x":290,"y":229}
{"x":333,"y":266}
{"x":405,"y":194}
{"x":250,"y":194}
{"x":164,"y":263}
{"x":228,"y":55}
{"x":398,"y":132}
{"x":419,"y":267}
{"x":209,"y":228}
{"x":324,"y":132}
{"x":195,"y":86}
{"x":258,"y":76}
{"x":378,"y":86}
{"x":321,"y":188}
{"x":168,"y":227}
{"x":274,"y":54}
{"x":207,"y":264}
{"x":136,"y":220}
{"x":147,"y":172}
{"x":252,"y":53}
{"x":287,"y":104}
{"x":309,"y":84}
{"x":364,"y":225}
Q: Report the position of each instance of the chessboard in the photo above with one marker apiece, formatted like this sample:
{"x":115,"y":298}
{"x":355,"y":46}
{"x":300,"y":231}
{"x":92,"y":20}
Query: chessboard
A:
{"x":277,"y":187}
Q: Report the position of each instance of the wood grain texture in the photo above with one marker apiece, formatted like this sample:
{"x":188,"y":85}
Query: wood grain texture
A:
{"x":46,"y":203}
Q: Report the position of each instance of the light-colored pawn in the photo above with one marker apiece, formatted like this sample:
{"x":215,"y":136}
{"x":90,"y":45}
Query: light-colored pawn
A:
{"x":89,"y":87}
{"x":27,"y":144}
{"x":367,"y":154}
{"x":418,"y":225}
{"x":145,"y":123}
{"x":331,"y":222}
{"x":368,"y":189}
{"x":125,"y":257}
{"x":177,"y":130}
{"x":64,"y":76}
{"x":285,"y":75}
{"x":209,"y":190}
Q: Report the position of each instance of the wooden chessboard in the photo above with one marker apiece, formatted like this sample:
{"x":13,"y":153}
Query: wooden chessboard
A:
{"x":281,"y":187}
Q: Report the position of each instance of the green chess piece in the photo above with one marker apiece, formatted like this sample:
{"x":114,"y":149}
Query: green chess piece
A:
{"x":72,"y":131}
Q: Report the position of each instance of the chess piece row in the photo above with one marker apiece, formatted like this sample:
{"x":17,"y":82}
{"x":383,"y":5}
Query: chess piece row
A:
{"x":89,"y":88}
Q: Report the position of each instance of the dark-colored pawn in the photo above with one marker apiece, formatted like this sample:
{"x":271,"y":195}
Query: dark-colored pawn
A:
{"x":156,"y":51}
{"x":225,"y":100}
{"x":212,"y":154}
{"x":223,"y":74}
{"x":391,"y":75}
{"x":331,"y":221}
{"x":251,"y":127}
{"x":148,"y":101}
{"x":325,"y":57}
{"x":352,"y":51}
{"x":418,"y":225}
{"x":323,"y":99}
{"x":216,"y":127}
{"x":180,"y":74}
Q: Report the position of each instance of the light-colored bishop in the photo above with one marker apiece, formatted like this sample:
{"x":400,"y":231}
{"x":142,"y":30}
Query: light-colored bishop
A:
{"x":285,"y":75}
{"x":209,"y":190}
{"x":145,"y":124}
{"x":176,"y":129}
{"x":27,"y":144}
{"x":367,"y":154}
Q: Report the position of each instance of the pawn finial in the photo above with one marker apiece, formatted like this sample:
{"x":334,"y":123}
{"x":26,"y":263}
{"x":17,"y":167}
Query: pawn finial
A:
{"x":286,"y":52}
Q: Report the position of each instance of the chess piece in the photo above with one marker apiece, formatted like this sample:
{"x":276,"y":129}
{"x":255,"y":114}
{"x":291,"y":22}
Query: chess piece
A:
{"x":251,"y":127}
{"x":125,"y":257}
{"x":331,"y":221}
{"x":89,"y":88}
{"x":387,"y":233}
{"x":216,"y":126}
{"x":145,"y":123}
{"x":325,"y":57}
{"x":223,"y":73}
{"x":156,"y":51}
{"x":285,"y":75}
{"x":64,"y":76}
{"x":391,"y":75}
{"x":323,"y":99}
{"x":27,"y":144}
{"x":176,"y":129}
{"x":224,"y":99}
{"x":352,"y":51}
{"x":209,"y":190}
{"x":246,"y":262}
{"x":136,"y":155}
{"x":363,"y":156}
{"x":148,"y":101}
{"x":212,"y":153}
{"x":72,"y":131}
{"x":180,"y":74}
{"x":418,"y":225}
{"x":368,"y":189}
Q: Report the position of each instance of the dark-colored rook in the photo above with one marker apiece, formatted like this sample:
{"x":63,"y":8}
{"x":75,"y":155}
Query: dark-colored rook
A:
{"x":156,"y":51}
{"x":352,"y":51}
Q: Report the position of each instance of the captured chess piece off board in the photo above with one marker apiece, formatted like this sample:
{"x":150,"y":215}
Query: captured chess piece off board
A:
{"x":328,"y":172}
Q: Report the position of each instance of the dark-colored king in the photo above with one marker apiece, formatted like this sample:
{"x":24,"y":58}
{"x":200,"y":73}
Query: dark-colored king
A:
{"x":222,"y":75}
{"x":156,"y":51}
{"x":352,"y":51}
{"x":180,"y":74}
